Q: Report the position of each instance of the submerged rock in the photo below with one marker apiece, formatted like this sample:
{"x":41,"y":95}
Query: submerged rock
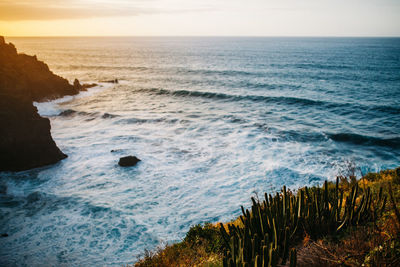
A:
{"x":25,"y":139}
{"x":128,"y":161}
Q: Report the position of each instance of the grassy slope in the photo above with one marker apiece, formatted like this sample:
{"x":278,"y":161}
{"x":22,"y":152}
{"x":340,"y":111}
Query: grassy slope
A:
{"x":375,"y":244}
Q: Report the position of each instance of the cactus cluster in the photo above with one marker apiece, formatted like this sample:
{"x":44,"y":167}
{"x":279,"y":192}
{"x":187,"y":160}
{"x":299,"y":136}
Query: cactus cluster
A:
{"x":272,"y":226}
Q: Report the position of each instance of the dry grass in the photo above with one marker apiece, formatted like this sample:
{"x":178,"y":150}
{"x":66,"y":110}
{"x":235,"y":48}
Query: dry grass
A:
{"x":376,"y":244}
{"x":347,"y":251}
{"x":202,"y":246}
{"x":178,"y":255}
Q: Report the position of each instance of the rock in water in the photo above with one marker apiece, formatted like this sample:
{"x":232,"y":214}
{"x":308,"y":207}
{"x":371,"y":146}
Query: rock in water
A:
{"x":77,"y":85}
{"x":83,"y":87}
{"x":128,"y":161}
{"x":110,"y":81}
{"x":25,"y":139}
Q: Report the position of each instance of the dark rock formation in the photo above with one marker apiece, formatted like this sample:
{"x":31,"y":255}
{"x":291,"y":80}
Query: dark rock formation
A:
{"x":83,"y":87}
{"x":25,"y":139}
{"x":23,"y":75}
{"x":77,"y":84}
{"x":128,"y":161}
{"x":110,"y":81}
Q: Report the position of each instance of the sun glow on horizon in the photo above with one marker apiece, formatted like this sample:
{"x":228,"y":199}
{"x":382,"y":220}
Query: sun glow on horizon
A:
{"x":206,"y":18}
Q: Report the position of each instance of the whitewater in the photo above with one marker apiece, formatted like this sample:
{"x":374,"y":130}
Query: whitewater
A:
{"x":214,"y":121}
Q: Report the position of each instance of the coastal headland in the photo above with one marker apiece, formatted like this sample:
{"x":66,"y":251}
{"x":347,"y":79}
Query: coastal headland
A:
{"x":25,"y":138}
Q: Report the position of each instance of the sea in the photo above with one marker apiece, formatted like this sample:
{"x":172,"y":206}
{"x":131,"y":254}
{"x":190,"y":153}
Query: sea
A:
{"x":214,"y":120}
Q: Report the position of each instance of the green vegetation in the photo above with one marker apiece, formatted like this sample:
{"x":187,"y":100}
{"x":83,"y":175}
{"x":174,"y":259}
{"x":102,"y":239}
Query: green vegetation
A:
{"x":347,"y":223}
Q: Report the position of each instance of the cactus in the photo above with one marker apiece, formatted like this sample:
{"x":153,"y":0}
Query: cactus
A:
{"x":270,"y":227}
{"x":293,"y":258}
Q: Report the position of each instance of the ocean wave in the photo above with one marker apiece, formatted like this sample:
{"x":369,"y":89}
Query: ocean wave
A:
{"x":141,"y":121}
{"x":99,"y":67}
{"x":71,"y":113}
{"x":302,"y":136}
{"x":215,"y":72}
{"x":223,"y":96}
{"x":67,"y":113}
{"x":109,"y":116}
{"x":357,"y":139}
{"x":317,"y":66}
{"x":315,"y":71}
{"x":287,"y":100}
{"x":351,"y":138}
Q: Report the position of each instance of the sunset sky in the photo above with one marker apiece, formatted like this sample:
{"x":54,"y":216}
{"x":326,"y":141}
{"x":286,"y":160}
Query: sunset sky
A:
{"x":206,"y":17}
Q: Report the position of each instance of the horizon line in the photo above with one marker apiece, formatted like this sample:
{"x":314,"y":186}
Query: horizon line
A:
{"x":220,"y":36}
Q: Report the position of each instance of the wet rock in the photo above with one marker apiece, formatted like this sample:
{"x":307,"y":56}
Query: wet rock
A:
{"x":128,"y":161}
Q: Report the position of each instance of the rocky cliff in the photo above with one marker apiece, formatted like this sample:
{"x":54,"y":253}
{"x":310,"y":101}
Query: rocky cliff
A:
{"x":25,"y":139}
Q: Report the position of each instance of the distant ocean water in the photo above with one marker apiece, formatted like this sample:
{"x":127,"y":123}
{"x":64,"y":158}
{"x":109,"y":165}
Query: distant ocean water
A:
{"x":214,"y":120}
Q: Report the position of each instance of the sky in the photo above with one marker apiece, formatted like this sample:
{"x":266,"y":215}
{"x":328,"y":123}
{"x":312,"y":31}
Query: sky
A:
{"x":200,"y":17}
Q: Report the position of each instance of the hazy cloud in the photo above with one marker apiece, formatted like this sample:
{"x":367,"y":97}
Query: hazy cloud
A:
{"x":11,"y":10}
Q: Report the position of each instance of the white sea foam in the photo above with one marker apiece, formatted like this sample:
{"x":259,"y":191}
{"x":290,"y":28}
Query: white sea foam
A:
{"x":52,"y":108}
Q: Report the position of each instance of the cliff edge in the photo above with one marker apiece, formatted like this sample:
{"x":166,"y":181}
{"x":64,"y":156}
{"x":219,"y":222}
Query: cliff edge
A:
{"x":25,"y":138}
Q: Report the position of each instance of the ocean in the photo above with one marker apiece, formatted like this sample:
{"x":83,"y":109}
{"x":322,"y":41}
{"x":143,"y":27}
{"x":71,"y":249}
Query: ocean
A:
{"x":214,"y":120}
